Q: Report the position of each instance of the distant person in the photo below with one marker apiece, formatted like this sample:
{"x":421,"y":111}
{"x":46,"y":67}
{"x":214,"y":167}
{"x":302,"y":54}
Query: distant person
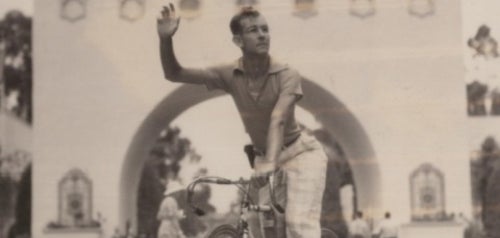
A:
{"x":462,"y":220}
{"x":169,"y":213}
{"x":359,"y":228}
{"x":386,"y":228}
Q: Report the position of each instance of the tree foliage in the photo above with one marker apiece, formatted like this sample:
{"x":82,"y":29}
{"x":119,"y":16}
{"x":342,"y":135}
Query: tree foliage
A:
{"x":15,"y":195}
{"x":15,"y":36}
{"x":163,"y":164}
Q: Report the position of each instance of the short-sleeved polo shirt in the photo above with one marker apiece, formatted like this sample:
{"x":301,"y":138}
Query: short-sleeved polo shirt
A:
{"x":256,"y":111}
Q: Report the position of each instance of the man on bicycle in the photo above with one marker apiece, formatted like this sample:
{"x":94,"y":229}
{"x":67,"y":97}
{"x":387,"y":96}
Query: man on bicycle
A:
{"x":265,"y":93}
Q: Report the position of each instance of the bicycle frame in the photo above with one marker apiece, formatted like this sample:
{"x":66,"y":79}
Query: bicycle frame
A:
{"x":246,"y":204}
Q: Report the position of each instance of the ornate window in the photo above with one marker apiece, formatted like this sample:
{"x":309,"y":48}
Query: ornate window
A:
{"x":75,"y":199}
{"x":427,"y":193}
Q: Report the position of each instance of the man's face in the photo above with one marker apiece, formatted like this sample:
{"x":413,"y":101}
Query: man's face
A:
{"x":254,"y":38}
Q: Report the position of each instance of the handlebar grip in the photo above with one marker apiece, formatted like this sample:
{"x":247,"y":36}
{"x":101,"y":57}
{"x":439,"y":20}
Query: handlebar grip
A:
{"x":215,"y":180}
{"x":223,"y":181}
{"x":198,"y":211}
{"x":259,"y":208}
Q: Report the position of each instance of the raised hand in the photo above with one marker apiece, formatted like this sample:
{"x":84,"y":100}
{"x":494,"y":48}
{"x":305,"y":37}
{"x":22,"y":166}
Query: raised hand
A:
{"x":167,"y":23}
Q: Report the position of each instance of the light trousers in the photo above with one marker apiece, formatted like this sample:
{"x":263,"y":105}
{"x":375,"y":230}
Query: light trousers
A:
{"x":304,"y":165}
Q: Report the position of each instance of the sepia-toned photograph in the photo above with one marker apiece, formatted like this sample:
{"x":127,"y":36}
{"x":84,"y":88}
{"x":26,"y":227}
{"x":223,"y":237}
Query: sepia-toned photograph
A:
{"x":249,"y":119}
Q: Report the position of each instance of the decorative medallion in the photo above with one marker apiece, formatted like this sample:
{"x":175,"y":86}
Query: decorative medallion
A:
{"x":132,"y":10}
{"x":421,"y":8}
{"x":73,"y":10}
{"x":305,"y":9}
{"x":362,"y":8}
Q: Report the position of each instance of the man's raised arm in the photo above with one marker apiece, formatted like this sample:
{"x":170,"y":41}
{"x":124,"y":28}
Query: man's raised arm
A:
{"x":167,"y":25}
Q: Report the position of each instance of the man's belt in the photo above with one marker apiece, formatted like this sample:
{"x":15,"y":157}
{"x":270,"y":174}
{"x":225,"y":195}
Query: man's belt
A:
{"x":258,"y":152}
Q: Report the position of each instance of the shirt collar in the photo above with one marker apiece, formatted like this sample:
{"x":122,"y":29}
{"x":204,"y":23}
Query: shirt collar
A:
{"x":275,"y":66}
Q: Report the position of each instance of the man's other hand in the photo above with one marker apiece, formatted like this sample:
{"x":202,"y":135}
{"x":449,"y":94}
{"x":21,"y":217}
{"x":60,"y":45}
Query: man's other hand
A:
{"x":259,"y":179}
{"x":167,"y":23}
{"x":262,"y":172}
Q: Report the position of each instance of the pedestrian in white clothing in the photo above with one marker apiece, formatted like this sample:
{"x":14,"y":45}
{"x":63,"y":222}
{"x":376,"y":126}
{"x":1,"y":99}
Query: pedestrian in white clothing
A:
{"x":170,"y":214}
{"x":386,"y":228}
{"x":359,"y":228}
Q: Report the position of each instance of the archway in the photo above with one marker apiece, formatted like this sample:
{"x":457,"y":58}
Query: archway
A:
{"x":332,"y":114}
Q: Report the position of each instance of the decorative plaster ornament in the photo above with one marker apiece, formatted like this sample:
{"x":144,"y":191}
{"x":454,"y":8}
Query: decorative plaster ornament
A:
{"x":73,"y":10}
{"x":362,"y":8}
{"x":132,"y":10}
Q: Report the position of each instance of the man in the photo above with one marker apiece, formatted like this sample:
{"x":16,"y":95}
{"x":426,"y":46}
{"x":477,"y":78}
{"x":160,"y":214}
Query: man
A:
{"x":359,"y":228}
{"x":386,"y":228}
{"x":265,"y":93}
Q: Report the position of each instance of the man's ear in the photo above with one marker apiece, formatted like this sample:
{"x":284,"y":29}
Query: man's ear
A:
{"x":237,"y":41}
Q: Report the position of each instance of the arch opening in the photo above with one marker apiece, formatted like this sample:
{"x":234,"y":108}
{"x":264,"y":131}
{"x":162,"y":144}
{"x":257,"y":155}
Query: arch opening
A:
{"x":329,"y":112}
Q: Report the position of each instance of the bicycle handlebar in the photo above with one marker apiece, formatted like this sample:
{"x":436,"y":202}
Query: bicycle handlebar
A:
{"x":224,"y":181}
{"x":213,"y":180}
{"x":221,"y":181}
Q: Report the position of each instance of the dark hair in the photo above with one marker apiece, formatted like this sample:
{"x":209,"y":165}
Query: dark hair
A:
{"x":245,"y":12}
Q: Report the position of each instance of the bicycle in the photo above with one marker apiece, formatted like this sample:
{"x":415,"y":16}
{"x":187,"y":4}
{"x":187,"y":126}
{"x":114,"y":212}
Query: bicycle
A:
{"x":272,"y":228}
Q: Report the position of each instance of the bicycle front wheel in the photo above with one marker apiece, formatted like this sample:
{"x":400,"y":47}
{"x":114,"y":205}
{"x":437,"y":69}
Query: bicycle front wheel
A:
{"x":327,"y":233}
{"x":224,"y":231}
